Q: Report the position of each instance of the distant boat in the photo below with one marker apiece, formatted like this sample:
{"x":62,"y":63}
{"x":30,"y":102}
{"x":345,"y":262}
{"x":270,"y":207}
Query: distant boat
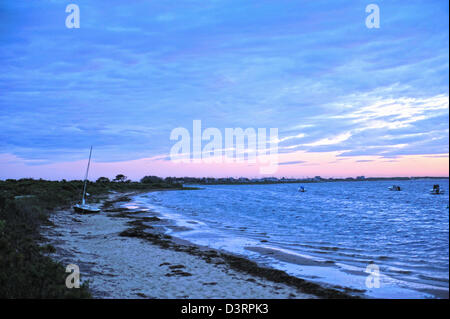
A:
{"x":83,"y":207}
{"x":394,"y":188}
{"x":436,"y":190}
{"x":301,"y":189}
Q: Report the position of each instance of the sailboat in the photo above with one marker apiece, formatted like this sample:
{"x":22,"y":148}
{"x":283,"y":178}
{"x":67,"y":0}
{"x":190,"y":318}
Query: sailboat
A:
{"x":83,"y":207}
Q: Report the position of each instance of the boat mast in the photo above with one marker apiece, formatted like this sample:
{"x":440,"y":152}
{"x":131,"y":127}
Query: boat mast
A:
{"x":85,"y":178}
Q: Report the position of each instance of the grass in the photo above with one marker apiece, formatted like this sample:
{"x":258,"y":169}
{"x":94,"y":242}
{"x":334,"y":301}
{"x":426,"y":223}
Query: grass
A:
{"x":26,"y":270}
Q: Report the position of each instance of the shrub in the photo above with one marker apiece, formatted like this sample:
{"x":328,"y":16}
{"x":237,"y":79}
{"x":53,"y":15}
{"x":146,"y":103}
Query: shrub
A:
{"x":151,"y":179}
{"x":103,"y":180}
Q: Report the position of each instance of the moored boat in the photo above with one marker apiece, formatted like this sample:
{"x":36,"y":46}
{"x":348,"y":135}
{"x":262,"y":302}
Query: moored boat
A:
{"x":437,"y":190}
{"x":84,"y":208}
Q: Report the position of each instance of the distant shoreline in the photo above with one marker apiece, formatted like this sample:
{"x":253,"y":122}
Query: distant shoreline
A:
{"x":308,"y":181}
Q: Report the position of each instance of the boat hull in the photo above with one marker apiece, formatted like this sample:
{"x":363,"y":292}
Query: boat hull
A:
{"x":85,"y":209}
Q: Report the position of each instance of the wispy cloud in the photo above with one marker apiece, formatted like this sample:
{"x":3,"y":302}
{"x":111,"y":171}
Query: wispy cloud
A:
{"x":292,"y":163}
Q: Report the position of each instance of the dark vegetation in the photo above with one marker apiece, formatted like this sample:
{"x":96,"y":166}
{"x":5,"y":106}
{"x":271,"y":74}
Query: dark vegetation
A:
{"x":26,"y":271}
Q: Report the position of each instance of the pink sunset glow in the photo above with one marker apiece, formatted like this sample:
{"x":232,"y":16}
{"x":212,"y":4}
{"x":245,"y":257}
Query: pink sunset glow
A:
{"x":312,"y":164}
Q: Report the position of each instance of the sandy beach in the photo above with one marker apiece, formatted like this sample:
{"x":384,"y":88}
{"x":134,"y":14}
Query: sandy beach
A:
{"x":123,"y":253}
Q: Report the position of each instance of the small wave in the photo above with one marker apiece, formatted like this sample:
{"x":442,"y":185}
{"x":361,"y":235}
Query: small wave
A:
{"x":434,"y":278}
{"x":289,"y":256}
{"x":399,"y":270}
{"x":384,"y":258}
{"x":329,"y":248}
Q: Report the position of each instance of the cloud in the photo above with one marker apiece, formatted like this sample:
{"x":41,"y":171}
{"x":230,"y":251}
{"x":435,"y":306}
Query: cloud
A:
{"x":135,"y":71}
{"x":331,"y":140}
{"x":292,"y":163}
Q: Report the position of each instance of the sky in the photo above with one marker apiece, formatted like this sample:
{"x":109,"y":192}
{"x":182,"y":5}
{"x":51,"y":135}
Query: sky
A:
{"x":346,"y":100}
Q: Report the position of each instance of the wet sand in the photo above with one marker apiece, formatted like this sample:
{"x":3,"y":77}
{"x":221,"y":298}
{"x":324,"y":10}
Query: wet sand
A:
{"x":124,"y":253}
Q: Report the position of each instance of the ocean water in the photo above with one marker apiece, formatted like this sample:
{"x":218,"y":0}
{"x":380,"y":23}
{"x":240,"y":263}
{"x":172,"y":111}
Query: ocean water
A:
{"x":329,"y":234}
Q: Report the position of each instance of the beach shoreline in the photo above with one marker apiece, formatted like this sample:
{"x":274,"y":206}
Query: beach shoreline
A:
{"x":124,"y":253}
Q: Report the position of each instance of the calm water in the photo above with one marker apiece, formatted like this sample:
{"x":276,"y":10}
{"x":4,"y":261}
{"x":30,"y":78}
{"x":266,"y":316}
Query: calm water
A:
{"x":328,"y":234}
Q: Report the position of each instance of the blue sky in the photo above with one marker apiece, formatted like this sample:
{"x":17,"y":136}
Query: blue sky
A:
{"x":137,"y":69}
